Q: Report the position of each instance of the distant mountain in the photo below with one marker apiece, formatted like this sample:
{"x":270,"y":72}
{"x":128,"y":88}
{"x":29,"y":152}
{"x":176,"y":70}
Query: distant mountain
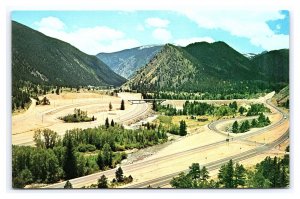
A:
{"x":40,"y":59}
{"x":274,"y":64}
{"x":201,"y":67}
{"x":126,"y":62}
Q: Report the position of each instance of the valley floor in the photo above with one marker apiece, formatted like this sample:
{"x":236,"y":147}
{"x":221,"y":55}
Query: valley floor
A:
{"x":205,"y":146}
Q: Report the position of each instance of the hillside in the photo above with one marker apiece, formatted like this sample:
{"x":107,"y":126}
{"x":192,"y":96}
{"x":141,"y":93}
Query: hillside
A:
{"x":282,"y":97}
{"x":222,"y":61}
{"x":40,"y":59}
{"x":274,"y":64}
{"x":171,"y":69}
{"x":201,"y":67}
{"x":128,"y":61}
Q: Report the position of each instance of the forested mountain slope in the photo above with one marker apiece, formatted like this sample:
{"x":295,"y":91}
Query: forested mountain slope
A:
{"x":274,"y":64}
{"x":203,"y":67}
{"x":44,"y":60}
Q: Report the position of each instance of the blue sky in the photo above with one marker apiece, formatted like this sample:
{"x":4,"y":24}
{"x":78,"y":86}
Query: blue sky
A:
{"x":109,"y":31}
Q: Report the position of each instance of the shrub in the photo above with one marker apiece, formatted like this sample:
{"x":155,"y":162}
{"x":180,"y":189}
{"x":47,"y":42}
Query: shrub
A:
{"x":86,"y":147}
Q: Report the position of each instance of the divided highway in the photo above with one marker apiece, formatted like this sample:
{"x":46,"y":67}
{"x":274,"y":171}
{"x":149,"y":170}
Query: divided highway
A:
{"x":163,"y":180}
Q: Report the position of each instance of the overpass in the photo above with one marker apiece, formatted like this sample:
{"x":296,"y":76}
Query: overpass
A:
{"x":140,"y":101}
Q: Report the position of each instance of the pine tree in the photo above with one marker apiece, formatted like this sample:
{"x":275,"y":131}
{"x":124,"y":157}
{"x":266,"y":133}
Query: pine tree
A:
{"x":268,"y":121}
{"x":239,"y":175}
{"x":102,"y":182}
{"x":233,"y":105}
{"x":194,"y":172}
{"x":106,"y":123}
{"x":182,"y":181}
{"x":283,"y":177}
{"x":122,"y":105}
{"x":154,"y":105}
{"x":100,"y":161}
{"x":182,"y":128}
{"x":148,"y":126}
{"x":247,"y":125}
{"x":119,"y":175}
{"x":275,"y":172}
{"x":257,"y":180}
{"x":254,"y":123}
{"x":287,"y":104}
{"x":112,"y":123}
{"x":235,"y":127}
{"x":242,"y":110}
{"x":68,"y":185}
{"x":261,"y":119}
{"x":226,"y":174}
{"x":242,"y":128}
{"x":57,"y":91}
{"x":221,"y":174}
{"x":110,"y":106}
{"x":204,"y":174}
{"x":107,"y":155}
{"x":70,"y":160}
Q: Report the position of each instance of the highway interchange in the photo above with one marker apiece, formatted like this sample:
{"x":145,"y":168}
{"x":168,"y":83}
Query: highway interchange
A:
{"x":164,"y":179}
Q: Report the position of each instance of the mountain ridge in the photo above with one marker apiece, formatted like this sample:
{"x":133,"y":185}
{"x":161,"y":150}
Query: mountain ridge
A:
{"x":127,"y":61}
{"x":197,"y":67}
{"x":54,"y":62}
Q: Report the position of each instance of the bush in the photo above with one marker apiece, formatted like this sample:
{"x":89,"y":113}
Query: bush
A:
{"x":174,"y":129}
{"x":120,"y":147}
{"x":78,"y":116}
{"x":86,"y":147}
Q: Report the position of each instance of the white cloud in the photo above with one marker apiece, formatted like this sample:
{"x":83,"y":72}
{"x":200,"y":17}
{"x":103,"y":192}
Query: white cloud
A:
{"x":89,"y":40}
{"x":51,"y":23}
{"x":157,"y":22}
{"x":251,"y":25}
{"x":162,"y":34}
{"x":187,"y":41}
{"x":121,"y":44}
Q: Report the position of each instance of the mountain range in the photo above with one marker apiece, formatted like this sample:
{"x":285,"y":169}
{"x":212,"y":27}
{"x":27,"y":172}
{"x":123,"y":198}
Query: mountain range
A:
{"x":201,"y":66}
{"x":206,"y":66}
{"x":40,"y":59}
{"x":126,"y":62}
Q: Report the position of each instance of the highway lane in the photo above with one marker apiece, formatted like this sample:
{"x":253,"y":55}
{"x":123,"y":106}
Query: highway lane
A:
{"x":143,"y":108}
{"x":165,"y":180}
{"x":138,"y":165}
{"x":179,"y":103}
{"x":79,"y":182}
